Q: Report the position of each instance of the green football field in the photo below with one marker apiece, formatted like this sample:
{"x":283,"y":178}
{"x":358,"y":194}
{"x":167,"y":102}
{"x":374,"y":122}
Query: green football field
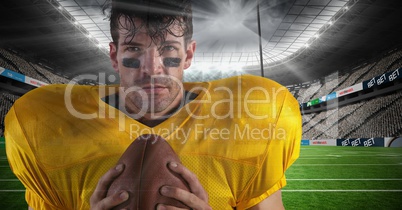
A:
{"x":326,"y":177}
{"x":322,"y":178}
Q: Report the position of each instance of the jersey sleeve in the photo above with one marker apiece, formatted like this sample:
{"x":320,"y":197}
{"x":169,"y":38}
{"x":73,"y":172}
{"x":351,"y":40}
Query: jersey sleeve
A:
{"x":24,"y":164}
{"x":281,"y":152}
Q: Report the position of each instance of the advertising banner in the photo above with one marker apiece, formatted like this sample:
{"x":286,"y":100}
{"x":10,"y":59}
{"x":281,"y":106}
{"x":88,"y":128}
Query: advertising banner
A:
{"x":349,"y":90}
{"x":305,"y":142}
{"x":34,"y":82}
{"x":382,"y":79}
{"x":323,"y":142}
{"x":361,"y":142}
{"x":331,"y":96}
{"x":322,"y":99}
{"x":13,"y":75}
{"x":313,"y":102}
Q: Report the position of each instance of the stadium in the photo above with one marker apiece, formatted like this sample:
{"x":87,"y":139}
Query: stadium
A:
{"x":341,"y":60}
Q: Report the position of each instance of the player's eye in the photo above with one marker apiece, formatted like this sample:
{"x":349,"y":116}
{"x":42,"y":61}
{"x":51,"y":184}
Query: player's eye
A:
{"x":133,"y":49}
{"x":169,"y":48}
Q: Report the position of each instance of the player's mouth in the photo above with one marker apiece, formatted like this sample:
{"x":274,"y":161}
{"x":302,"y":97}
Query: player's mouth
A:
{"x":154,"y":89}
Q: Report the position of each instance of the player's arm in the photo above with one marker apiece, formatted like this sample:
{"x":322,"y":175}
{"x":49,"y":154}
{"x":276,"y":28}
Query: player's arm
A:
{"x":273,"y":202}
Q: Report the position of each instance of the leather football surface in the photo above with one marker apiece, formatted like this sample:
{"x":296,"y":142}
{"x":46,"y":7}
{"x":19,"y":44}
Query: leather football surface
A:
{"x":145,"y":172}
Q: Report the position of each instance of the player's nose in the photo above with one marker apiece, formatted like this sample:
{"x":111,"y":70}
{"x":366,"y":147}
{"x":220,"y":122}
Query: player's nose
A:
{"x":153,"y":62}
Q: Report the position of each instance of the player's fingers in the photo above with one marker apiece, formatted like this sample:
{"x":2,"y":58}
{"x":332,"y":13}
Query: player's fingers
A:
{"x":111,"y":201}
{"x":191,"y":179}
{"x":188,"y":198}
{"x":104,"y":183}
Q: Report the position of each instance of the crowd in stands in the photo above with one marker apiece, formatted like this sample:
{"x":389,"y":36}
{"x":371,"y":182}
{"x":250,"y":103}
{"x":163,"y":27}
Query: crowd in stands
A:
{"x":6,"y":101}
{"x":382,"y":66}
{"x":367,"y":71}
{"x":5,"y":64}
{"x":23,"y":66}
{"x":378,"y":117}
{"x":13,"y":61}
{"x":353,"y":77}
{"x":54,"y":79}
{"x":306,"y":94}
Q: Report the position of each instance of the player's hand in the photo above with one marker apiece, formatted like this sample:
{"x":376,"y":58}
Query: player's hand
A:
{"x":98,"y":200}
{"x":197,"y":199}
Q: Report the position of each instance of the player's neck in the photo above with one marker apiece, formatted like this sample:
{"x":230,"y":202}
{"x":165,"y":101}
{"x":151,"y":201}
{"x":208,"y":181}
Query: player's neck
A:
{"x":150,"y":120}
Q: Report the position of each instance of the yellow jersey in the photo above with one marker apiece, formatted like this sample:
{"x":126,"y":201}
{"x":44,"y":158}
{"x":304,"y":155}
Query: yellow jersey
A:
{"x":238,"y":136}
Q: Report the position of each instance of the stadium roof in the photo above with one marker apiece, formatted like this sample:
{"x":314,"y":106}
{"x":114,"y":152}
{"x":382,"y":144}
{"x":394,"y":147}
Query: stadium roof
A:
{"x":74,"y":35}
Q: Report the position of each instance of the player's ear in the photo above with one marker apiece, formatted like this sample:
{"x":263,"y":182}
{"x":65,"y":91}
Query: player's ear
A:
{"x":189,"y":53}
{"x":113,"y":56}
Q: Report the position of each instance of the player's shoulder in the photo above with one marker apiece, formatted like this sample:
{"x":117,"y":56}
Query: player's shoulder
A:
{"x":56,"y":91}
{"x":54,"y":95}
{"x":40,"y":94}
{"x":249,"y":86}
{"x":248,"y":81}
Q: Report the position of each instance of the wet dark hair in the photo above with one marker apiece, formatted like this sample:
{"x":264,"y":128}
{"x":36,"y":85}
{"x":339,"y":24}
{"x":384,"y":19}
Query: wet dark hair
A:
{"x":156,"y":15}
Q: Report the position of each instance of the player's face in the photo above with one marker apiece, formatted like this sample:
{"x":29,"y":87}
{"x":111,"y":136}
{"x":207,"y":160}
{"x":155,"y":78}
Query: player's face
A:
{"x":151,"y":72}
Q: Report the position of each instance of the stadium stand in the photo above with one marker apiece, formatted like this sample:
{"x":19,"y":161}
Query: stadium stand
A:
{"x":390,"y":61}
{"x":12,"y":60}
{"x":377,"y":117}
{"x":54,"y":79}
{"x":306,"y":94}
{"x":382,"y":66}
{"x":330,"y":84}
{"x":6,"y":63}
{"x":383,"y":120}
{"x":22,"y":65}
{"x":353,"y":77}
{"x":6,"y":101}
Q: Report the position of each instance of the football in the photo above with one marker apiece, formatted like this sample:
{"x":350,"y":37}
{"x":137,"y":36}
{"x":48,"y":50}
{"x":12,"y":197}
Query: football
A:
{"x":145,"y":172}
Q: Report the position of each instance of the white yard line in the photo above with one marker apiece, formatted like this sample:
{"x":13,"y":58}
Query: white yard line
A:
{"x":341,"y":190}
{"x":352,"y":155}
{"x":12,"y":190}
{"x":342,"y":180}
{"x":346,"y":164}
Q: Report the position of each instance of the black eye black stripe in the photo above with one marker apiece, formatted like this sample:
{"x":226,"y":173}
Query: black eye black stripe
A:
{"x":171,"y":62}
{"x":131,"y":63}
{"x":135,"y":63}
